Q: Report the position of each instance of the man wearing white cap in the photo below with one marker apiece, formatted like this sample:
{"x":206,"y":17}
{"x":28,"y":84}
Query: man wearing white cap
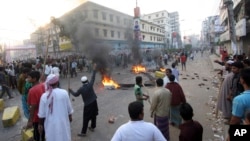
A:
{"x":55,"y":111}
{"x":89,"y":97}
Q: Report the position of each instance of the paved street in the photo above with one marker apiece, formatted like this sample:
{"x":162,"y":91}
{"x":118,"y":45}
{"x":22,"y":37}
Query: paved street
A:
{"x":115,"y":102}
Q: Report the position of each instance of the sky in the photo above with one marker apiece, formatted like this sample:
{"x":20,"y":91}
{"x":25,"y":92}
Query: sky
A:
{"x":19,"y":18}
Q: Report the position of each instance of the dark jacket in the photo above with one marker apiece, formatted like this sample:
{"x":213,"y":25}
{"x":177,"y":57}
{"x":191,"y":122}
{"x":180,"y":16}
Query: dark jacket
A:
{"x":3,"y":80}
{"x":191,"y":131}
{"x":87,"y":91}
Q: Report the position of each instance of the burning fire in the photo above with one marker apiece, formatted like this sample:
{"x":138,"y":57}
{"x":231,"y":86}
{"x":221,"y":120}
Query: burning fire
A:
{"x":162,"y":69}
{"x":107,"y":81}
{"x":138,"y":69}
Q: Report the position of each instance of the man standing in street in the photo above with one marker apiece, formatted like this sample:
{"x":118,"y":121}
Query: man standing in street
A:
{"x":183,"y":61}
{"x":3,"y":83}
{"x":190,"y":130}
{"x":90,"y":103}
{"x":177,"y":99}
{"x":138,"y":92}
{"x":160,"y":108}
{"x":137,"y":129}
{"x":55,"y":111}
{"x":241,"y":103}
{"x":33,"y":101}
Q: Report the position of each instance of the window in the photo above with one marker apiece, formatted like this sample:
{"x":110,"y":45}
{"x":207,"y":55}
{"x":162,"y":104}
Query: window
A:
{"x":112,"y":33}
{"x":157,"y":15}
{"x":149,"y":17}
{"x":162,"y":14}
{"x":96,"y":14}
{"x":143,"y":37}
{"x":125,"y":21}
{"x":105,"y":32}
{"x":111,"y":17}
{"x":96,"y":32}
{"x":119,"y":34}
{"x":151,"y":38}
{"x":117,"y":19}
{"x":154,"y":38}
{"x":125,"y":36}
{"x":103,"y":15}
{"x":142,"y":26}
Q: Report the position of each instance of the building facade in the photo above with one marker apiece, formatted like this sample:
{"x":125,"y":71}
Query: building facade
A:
{"x":175,"y":29}
{"x":161,"y":18}
{"x":170,"y":21}
{"x":93,"y":22}
{"x":152,"y":35}
{"x":241,"y":10}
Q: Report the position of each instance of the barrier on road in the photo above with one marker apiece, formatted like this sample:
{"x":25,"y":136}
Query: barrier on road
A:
{"x":10,"y":116}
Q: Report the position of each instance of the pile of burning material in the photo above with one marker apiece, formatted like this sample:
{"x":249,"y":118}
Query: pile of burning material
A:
{"x":138,"y":69}
{"x":109,"y":83}
{"x":162,"y":70}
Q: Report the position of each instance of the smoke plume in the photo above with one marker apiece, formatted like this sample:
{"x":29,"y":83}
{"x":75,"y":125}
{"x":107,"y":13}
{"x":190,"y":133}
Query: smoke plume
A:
{"x":84,"y":42}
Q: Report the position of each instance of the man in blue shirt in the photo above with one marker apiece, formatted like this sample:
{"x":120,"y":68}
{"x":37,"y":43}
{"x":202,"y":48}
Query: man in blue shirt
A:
{"x":241,"y":103}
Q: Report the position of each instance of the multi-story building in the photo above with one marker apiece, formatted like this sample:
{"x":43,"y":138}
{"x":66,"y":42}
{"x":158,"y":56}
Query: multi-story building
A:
{"x":175,"y":29}
{"x":170,"y":21}
{"x":162,"y":18}
{"x":91,"y":20}
{"x":241,"y":10}
{"x":152,"y":35}
{"x":211,"y":31}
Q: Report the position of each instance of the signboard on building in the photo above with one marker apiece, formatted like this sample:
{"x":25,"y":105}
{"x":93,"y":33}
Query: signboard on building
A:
{"x":225,"y":36}
{"x":240,"y":28}
{"x":137,"y":32}
{"x":65,"y":43}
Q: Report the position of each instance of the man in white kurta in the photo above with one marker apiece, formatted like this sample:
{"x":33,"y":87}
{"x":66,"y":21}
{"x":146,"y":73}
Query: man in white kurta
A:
{"x":56,"y":110}
{"x":137,"y":129}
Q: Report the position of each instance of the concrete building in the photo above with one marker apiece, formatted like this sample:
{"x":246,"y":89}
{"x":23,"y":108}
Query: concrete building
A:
{"x":175,"y":29}
{"x":162,"y":18}
{"x":152,"y":35}
{"x":242,"y":27}
{"x":104,"y":25}
{"x":170,"y":21}
{"x":211,"y":31}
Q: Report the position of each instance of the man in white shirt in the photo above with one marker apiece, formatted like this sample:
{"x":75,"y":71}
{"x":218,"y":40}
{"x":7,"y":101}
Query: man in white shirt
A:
{"x":137,"y":129}
{"x":55,"y":111}
{"x":166,"y":79}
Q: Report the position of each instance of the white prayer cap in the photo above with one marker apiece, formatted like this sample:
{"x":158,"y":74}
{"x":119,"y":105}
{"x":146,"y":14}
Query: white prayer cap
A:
{"x":230,"y":62}
{"x":52,"y":79}
{"x":84,"y":79}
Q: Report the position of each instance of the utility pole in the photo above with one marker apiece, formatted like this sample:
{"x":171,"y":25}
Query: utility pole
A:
{"x":231,"y":25}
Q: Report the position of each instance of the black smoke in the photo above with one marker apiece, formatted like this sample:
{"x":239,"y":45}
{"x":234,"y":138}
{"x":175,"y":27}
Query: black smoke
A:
{"x":81,"y":32}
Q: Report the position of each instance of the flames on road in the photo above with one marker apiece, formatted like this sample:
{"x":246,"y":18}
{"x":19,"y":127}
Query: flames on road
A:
{"x":109,"y":82}
{"x":162,"y":69}
{"x":138,"y":69}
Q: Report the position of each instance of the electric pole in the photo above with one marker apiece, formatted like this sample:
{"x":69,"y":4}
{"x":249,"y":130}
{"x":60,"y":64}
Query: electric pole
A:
{"x":231,"y":25}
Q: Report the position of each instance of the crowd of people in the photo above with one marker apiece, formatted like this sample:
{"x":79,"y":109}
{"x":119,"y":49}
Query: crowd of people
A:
{"x":48,"y":109}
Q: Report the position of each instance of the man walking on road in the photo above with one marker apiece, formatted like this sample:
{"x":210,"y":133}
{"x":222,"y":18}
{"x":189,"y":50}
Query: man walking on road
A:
{"x":137,"y":129}
{"x":34,"y":95}
{"x":177,"y":99}
{"x":55,"y":111}
{"x":89,"y":97}
{"x":160,"y":108}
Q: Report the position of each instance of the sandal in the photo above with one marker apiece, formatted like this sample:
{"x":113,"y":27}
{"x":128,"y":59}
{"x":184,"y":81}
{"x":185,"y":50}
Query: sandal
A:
{"x":81,"y":135}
